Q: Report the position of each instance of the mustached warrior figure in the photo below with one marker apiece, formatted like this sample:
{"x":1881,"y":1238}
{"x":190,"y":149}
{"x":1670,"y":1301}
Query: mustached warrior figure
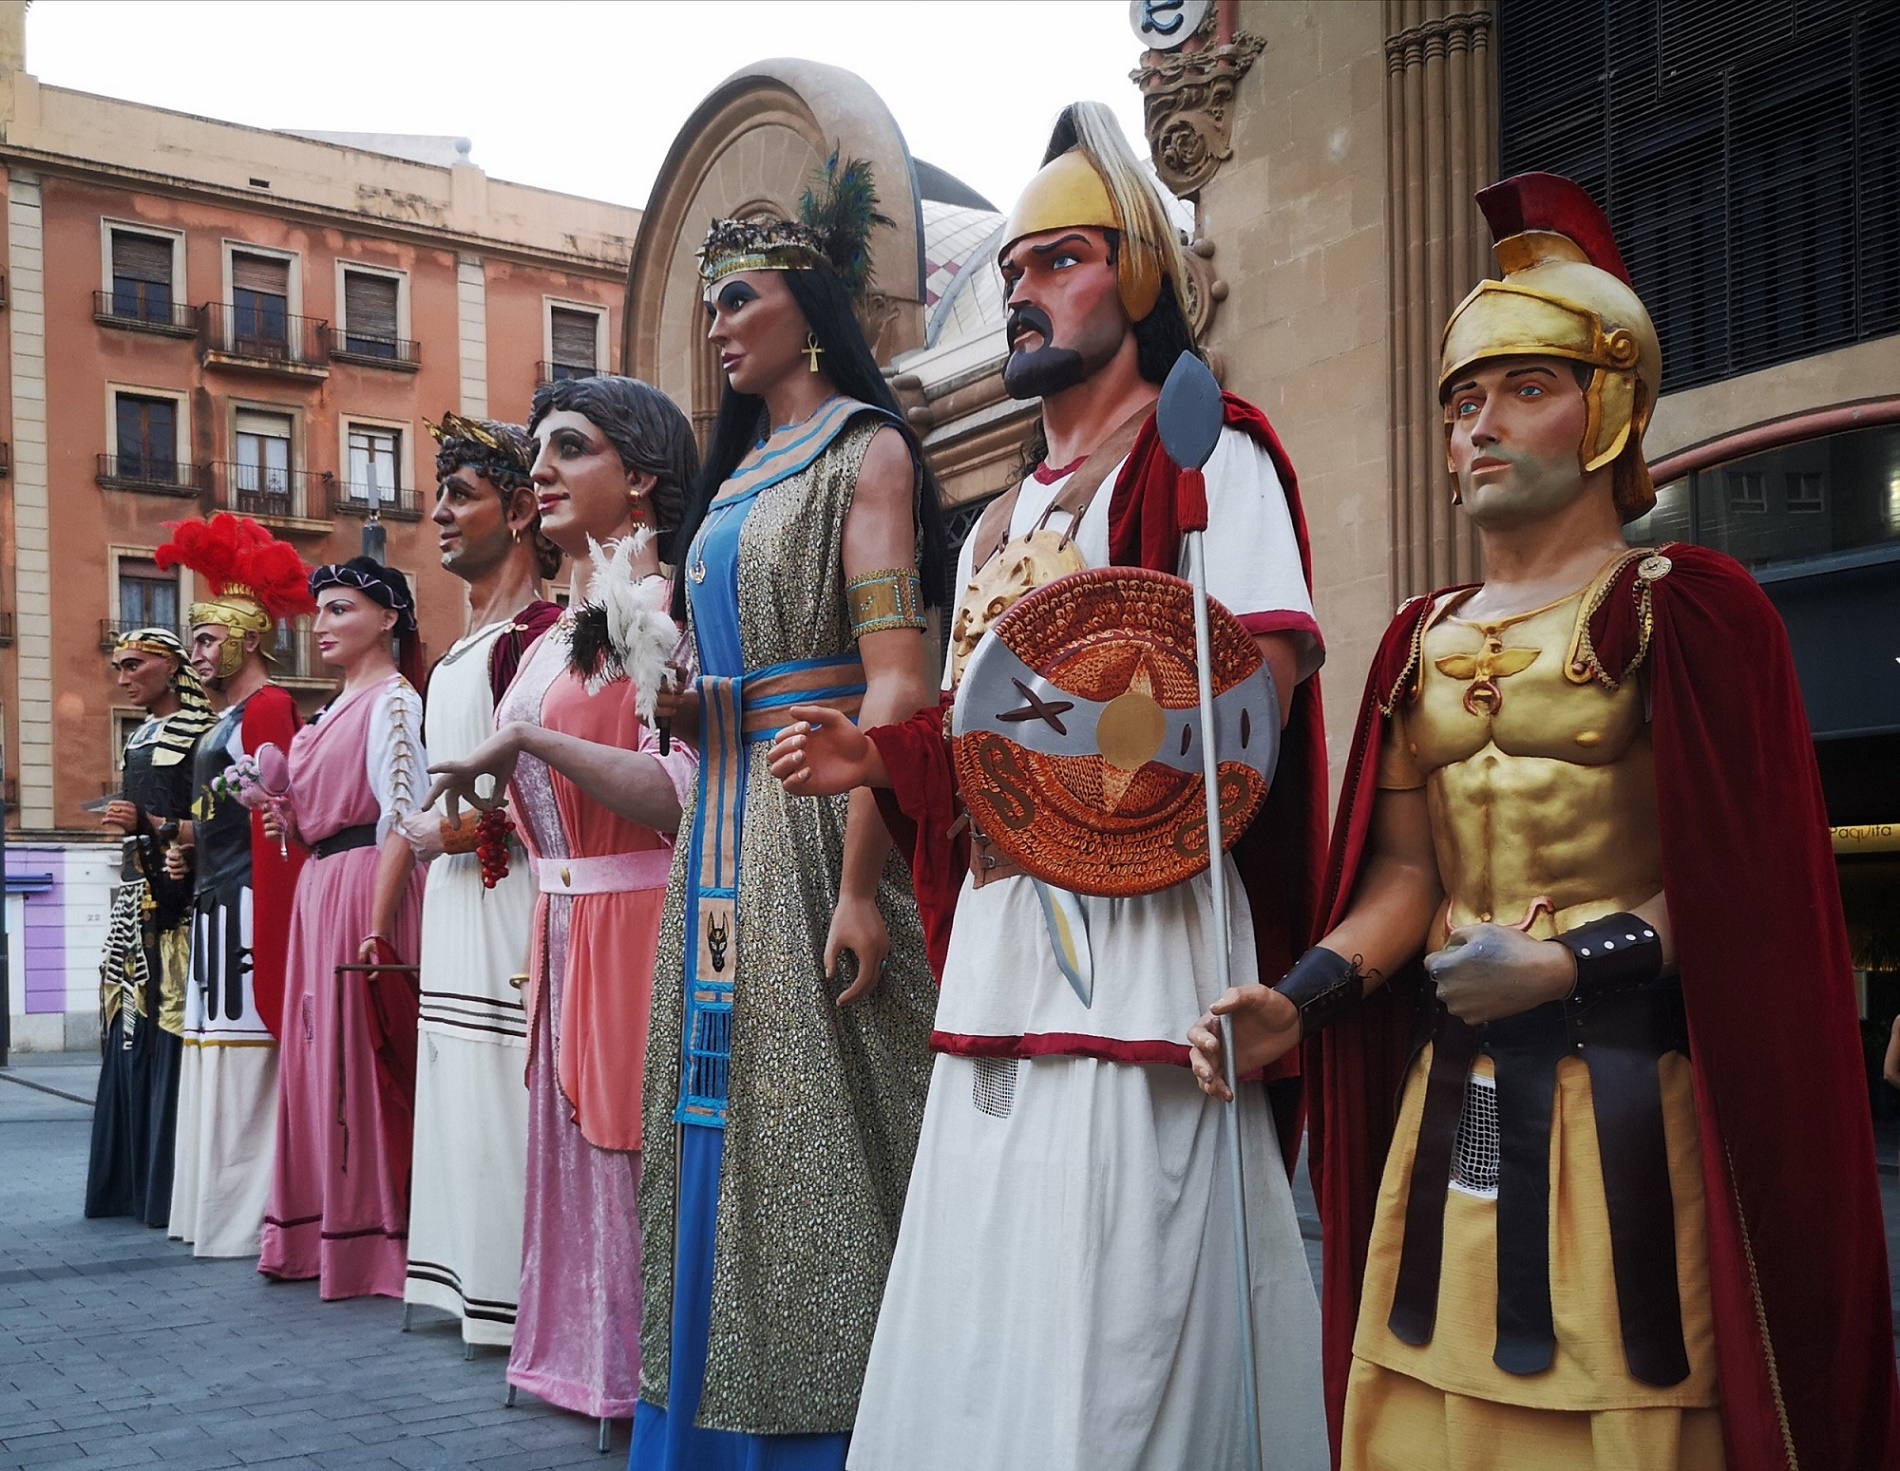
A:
{"x":1064,"y":1292}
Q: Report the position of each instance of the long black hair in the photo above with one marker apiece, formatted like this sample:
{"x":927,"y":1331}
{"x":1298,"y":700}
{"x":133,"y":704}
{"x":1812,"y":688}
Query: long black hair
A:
{"x":826,"y":304}
{"x":648,"y":432}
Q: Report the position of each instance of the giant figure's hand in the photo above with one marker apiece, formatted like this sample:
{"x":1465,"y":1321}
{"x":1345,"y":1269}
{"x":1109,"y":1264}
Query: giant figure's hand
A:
{"x":1489,"y":971}
{"x":821,"y":754}
{"x":1266,"y":1028}
{"x":455,"y":781}
{"x":857,"y":926}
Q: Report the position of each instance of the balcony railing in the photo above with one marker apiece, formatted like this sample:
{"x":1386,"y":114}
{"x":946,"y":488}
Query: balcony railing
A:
{"x":150,"y":475}
{"x":400,"y":354}
{"x":546,"y":373}
{"x":393,"y":503}
{"x":250,"y":337}
{"x":295,"y":657}
{"x":258,"y":490}
{"x":140,"y":313}
{"x":111,"y":628}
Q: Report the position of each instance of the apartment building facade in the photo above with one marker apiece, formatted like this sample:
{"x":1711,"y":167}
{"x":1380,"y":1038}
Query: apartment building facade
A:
{"x":200,"y":316}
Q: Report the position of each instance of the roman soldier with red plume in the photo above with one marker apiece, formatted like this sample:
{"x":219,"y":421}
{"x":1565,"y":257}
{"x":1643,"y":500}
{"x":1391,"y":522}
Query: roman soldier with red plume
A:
{"x":1582,"y":921}
{"x":251,"y":586}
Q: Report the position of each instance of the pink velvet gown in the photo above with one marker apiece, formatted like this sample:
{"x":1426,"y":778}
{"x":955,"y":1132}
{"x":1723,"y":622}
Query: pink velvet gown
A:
{"x":339,"y":1195}
{"x":596,"y":924}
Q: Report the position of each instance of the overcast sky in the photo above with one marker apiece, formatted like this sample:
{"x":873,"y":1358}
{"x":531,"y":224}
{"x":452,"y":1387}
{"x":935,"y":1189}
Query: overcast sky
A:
{"x":586,"y":97}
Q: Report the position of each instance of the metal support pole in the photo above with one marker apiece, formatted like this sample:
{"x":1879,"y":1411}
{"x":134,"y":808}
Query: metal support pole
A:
{"x":1223,"y":976}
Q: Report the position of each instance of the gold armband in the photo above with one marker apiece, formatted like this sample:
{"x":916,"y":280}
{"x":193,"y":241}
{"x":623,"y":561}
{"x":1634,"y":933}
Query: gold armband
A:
{"x":880,"y":601}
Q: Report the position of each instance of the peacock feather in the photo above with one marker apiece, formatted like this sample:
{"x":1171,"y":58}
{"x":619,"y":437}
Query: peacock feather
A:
{"x":840,"y":207}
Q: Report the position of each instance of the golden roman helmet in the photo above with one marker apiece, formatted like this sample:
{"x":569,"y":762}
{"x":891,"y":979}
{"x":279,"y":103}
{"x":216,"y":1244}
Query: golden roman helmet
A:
{"x":1566,"y":294}
{"x":1090,"y":179}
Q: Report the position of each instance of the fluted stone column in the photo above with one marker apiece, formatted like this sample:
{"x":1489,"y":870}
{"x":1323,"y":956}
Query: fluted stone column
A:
{"x":1441,"y":147}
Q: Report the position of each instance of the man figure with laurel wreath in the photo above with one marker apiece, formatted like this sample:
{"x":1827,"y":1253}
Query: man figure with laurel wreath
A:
{"x":1627,"y":1216}
{"x":1064,"y":1291}
{"x":470,"y":1172}
{"x":240,"y":913}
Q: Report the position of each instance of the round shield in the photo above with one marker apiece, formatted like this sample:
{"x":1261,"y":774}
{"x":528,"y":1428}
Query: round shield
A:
{"x":1077,"y":733}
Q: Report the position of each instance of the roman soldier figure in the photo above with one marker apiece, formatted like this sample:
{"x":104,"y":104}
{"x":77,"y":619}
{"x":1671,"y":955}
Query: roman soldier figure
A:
{"x":1064,"y":1290}
{"x":253,"y":585}
{"x":1583,"y":922}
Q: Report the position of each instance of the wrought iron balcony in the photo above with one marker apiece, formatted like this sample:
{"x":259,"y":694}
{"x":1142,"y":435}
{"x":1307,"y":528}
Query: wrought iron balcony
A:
{"x":546,"y":373}
{"x":282,"y":495}
{"x":399,"y":354}
{"x":295,"y":656}
{"x":393,"y":503}
{"x":151,"y":474}
{"x":137,"y":312}
{"x":262,"y":339}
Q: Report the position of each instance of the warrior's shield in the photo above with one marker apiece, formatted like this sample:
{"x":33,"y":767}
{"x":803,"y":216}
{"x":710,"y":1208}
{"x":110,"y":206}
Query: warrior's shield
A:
{"x":1077,"y":733}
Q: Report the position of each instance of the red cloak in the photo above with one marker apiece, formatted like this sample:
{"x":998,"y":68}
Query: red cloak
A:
{"x":1278,"y":857}
{"x":271,"y":715}
{"x":1797,"y":1251}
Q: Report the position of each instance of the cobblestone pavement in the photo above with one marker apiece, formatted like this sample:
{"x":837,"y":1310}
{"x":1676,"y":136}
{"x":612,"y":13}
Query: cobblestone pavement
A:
{"x":120,"y":1349}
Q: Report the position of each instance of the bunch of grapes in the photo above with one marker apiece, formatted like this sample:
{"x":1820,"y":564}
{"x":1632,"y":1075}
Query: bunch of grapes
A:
{"x":491,"y":845}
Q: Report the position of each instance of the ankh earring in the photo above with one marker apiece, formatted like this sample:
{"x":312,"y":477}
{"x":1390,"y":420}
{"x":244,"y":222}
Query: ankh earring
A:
{"x":811,"y":349}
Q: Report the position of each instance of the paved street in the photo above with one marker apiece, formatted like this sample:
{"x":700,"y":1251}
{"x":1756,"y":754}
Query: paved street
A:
{"x":119,"y":1349}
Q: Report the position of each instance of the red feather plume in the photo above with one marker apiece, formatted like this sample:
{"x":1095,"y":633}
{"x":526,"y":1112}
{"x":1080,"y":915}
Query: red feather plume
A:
{"x":235,"y":552}
{"x":1558,"y":205}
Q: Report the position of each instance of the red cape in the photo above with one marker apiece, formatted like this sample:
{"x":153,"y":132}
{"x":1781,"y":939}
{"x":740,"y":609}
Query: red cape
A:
{"x":1278,"y":857}
{"x":1797,"y":1252}
{"x":271,"y":715}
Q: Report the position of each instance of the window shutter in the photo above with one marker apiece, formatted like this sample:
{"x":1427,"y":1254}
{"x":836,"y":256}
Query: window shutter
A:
{"x":575,"y":334}
{"x":141,"y":258}
{"x":1748,"y":158}
{"x":270,"y":426}
{"x":369,"y":305}
{"x":263,"y":274}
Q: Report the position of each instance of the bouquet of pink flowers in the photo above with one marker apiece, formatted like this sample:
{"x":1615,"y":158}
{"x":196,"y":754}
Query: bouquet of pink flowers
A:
{"x":262,"y":783}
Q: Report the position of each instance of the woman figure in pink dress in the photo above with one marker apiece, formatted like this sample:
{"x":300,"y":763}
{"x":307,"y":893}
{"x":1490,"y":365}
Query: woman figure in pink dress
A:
{"x":339,"y":1197}
{"x":597,"y":804}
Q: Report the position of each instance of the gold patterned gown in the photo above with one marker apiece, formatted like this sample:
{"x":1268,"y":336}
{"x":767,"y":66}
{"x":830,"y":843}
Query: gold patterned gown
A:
{"x":794,"y":1121}
{"x":1540,"y":784}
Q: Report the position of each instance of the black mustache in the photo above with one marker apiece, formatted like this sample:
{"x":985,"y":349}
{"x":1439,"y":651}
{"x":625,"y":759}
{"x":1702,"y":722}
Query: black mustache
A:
{"x":1028,"y":319}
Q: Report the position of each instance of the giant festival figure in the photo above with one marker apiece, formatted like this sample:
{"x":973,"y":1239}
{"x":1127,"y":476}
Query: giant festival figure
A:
{"x":597,"y":801}
{"x":1626,"y":1215}
{"x":227,"y":1096}
{"x":142,"y":972}
{"x":471,"y":1110}
{"x":1065,"y":1291}
{"x":792,"y":1075}
{"x":339,"y":1197}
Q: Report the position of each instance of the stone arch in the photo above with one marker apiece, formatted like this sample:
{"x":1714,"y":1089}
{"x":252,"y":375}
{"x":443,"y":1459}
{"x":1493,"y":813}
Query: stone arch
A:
{"x":752,"y":143}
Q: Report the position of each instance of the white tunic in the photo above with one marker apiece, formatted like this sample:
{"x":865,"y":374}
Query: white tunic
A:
{"x":471,"y":1056}
{"x":1063,"y":1293}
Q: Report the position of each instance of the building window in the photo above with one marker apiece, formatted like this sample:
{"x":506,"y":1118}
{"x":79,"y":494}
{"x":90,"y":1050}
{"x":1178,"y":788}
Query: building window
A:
{"x":147,"y":438}
{"x":370,"y":314}
{"x":261,"y":477}
{"x":375,"y":460}
{"x":141,"y":277}
{"x":1747,"y":490}
{"x":148,"y":598}
{"x":1748,"y":158}
{"x":574,"y":342}
{"x":260,"y":304}
{"x":125,"y":725}
{"x":1807,"y":491}
{"x":1842,"y":496}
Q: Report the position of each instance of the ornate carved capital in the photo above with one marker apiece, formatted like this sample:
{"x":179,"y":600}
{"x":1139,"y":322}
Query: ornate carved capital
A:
{"x":1446,"y":34}
{"x":1187,"y":101}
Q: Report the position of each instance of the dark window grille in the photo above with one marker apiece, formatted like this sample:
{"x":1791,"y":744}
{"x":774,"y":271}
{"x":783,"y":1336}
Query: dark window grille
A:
{"x":1748,"y":156}
{"x":148,"y":438}
{"x":141,"y":277}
